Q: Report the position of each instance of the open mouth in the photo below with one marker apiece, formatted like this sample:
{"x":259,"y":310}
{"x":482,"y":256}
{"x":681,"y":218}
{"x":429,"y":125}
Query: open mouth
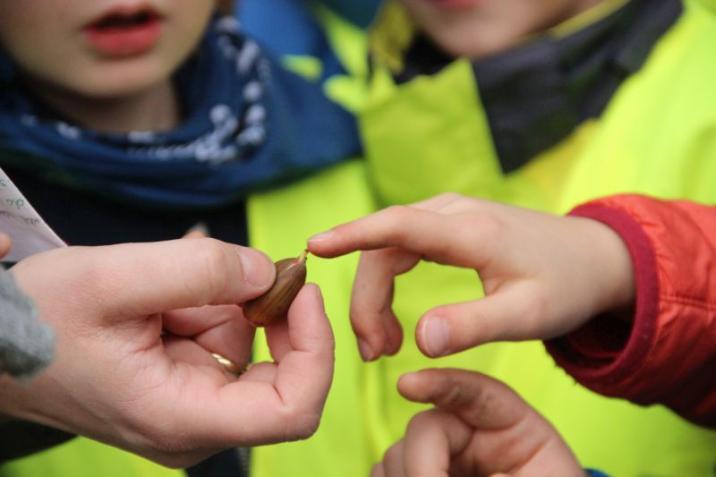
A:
{"x":125,"y":31}
{"x":125,"y":20}
{"x":456,"y":4}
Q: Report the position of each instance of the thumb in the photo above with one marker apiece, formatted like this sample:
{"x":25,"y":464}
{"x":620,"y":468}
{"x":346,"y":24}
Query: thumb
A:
{"x":146,"y":278}
{"x":505,"y":315}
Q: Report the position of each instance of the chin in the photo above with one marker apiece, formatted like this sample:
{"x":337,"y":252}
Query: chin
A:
{"x":120,"y":80}
{"x":473,"y":46}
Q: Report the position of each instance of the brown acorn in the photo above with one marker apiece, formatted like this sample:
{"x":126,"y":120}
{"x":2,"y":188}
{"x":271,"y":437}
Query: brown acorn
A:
{"x":274,"y":304}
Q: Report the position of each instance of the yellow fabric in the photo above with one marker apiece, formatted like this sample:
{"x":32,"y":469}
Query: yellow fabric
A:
{"x":587,"y":17}
{"x":350,"y":90}
{"x":279,"y":223}
{"x":657,"y":136}
{"x":307,"y":66}
{"x":391,"y":35}
{"x":85,"y":458}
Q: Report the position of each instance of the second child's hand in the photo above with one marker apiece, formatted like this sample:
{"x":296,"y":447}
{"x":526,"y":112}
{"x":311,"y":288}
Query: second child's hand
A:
{"x":543,"y":275}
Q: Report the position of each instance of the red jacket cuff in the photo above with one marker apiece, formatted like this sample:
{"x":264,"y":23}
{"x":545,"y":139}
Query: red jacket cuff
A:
{"x":610,"y":348}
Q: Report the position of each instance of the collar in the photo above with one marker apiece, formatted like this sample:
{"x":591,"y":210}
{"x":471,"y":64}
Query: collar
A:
{"x":535,"y":95}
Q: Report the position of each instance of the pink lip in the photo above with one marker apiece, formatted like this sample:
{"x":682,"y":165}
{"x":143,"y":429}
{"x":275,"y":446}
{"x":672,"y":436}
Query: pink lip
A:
{"x":456,"y":4}
{"x":124,"y":31}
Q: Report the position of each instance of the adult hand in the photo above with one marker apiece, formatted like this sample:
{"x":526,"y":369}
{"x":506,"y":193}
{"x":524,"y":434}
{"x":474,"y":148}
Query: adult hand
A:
{"x":136,"y":328}
{"x":479,"y":427}
{"x":543,"y":275}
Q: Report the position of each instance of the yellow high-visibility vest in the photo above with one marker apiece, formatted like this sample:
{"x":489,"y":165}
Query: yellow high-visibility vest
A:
{"x":430,"y":135}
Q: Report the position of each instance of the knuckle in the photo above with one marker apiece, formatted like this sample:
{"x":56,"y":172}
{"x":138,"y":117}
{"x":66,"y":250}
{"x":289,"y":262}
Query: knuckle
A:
{"x":401,"y":217}
{"x":165,"y":440}
{"x":479,"y":327}
{"x":419,"y":420}
{"x":393,"y":453}
{"x":174,"y":454}
{"x":176,"y":461}
{"x":299,"y":425}
{"x":487,"y":224}
{"x":480,"y":404}
{"x":307,"y":425}
{"x":90,"y":269}
{"x":456,"y":397}
{"x":448,"y":197}
{"x":161,"y":440}
{"x":91,"y":280}
{"x":214,"y":264}
{"x":397,"y":211}
{"x":367,"y":324}
{"x":162,"y":437}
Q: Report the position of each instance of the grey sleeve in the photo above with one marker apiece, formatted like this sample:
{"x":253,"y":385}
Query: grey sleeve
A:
{"x":26,"y":347}
{"x":26,"y":344}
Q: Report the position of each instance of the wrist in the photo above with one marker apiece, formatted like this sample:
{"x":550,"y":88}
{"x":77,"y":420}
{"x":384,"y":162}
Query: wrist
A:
{"x":605,"y":351}
{"x":611,"y":269}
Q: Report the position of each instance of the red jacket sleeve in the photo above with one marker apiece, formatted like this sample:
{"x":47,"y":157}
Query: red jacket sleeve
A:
{"x":667,"y":353}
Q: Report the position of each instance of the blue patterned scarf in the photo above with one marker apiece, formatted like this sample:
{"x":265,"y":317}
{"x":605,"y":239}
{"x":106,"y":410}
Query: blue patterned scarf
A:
{"x":249,"y":124}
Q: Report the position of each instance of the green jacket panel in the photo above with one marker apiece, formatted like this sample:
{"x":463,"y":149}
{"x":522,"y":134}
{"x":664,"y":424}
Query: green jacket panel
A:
{"x":280,"y":222}
{"x":428,"y":136}
{"x":83,"y":457}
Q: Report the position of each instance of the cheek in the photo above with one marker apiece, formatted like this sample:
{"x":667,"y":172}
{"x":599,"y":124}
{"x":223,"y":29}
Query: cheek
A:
{"x":491,"y":27}
{"x":191,"y":16}
{"x":38,"y":34}
{"x":467,"y":33}
{"x":188,"y":23}
{"x":36,"y":47}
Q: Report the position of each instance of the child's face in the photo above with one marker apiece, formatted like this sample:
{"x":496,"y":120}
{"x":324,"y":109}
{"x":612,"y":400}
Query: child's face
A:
{"x":101,"y":48}
{"x":476,"y":28}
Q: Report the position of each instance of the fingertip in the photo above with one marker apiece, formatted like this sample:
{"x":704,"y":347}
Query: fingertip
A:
{"x":408,"y":380}
{"x":308,"y":324}
{"x":366,"y":351}
{"x":370,"y":335}
{"x":322,"y":244}
{"x":433,"y":335}
{"x":377,"y":471}
{"x":393,"y":336}
{"x":312,"y":292}
{"x":392,"y":347}
{"x":413,"y":385}
{"x":258,"y":269}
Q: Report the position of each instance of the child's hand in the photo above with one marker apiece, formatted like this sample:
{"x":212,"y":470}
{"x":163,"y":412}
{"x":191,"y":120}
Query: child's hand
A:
{"x":136,"y":327}
{"x":478,"y":427}
{"x":543,"y":275}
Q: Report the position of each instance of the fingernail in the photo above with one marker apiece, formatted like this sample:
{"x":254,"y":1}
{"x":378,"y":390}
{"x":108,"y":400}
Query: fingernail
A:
{"x":258,"y":270}
{"x":436,"y":336}
{"x":322,"y":237}
{"x":366,"y":351}
{"x":409,"y":375}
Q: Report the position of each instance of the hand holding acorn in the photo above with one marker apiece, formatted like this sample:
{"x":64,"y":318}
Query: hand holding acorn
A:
{"x":274,"y":304}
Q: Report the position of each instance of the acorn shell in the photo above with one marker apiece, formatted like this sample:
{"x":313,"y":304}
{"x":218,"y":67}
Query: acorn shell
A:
{"x":274,"y":304}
